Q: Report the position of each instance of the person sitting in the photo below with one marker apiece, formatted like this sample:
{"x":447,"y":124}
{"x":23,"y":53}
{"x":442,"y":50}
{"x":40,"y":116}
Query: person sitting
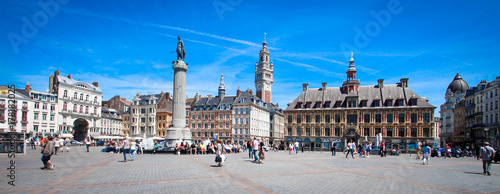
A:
{"x":176,"y":149}
{"x":203,"y":150}
{"x":193,"y":148}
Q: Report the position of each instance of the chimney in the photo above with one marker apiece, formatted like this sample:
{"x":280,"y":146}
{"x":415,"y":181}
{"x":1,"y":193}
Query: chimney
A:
{"x":380,"y":83}
{"x":51,"y":84}
{"x":27,"y":88}
{"x":137,"y":95}
{"x":69,"y":76}
{"x":251,"y":92}
{"x":404,"y":82}
{"x":96,"y":84}
{"x":304,"y":86}
{"x":238,"y":92}
{"x":323,"y":88}
{"x":168,"y":94}
{"x":56,"y":73}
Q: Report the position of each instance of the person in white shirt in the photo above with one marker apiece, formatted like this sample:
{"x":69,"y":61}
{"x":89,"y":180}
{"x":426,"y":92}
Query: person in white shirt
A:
{"x":57,"y":145}
{"x":296,"y":147}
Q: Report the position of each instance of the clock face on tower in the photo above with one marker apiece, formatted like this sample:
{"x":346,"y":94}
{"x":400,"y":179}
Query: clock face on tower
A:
{"x":259,"y":87}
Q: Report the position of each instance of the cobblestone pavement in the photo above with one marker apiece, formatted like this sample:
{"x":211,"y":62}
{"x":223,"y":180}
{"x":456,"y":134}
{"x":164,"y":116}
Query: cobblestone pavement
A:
{"x":310,"y":172}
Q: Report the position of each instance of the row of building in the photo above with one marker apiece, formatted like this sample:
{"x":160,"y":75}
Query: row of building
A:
{"x":470,"y":116}
{"x":391,"y":113}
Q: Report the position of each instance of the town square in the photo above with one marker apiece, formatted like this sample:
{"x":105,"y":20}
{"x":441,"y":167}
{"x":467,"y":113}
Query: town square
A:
{"x":233,"y":96}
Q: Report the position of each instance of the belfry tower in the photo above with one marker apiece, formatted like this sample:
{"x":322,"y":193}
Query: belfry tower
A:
{"x":351,"y":84}
{"x":264,"y":74}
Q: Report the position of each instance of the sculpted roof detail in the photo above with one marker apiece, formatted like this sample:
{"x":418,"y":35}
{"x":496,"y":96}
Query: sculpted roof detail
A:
{"x":66,"y":80}
{"x":458,"y":85}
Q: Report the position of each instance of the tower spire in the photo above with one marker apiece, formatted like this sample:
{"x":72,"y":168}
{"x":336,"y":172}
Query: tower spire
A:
{"x":222,"y":88}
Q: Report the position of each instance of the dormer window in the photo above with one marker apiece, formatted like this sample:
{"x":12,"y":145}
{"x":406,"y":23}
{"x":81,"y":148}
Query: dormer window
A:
{"x":338,"y":104}
{"x":364,"y":103}
{"x":413,"y":102}
{"x":327,"y":104}
{"x":308,"y":105}
{"x":317,"y":105}
{"x":399,"y":102}
{"x":299,"y":105}
{"x":388,"y":102}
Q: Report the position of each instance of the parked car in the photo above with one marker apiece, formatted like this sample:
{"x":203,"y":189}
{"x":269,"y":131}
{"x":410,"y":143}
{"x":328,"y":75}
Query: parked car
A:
{"x":75,"y":143}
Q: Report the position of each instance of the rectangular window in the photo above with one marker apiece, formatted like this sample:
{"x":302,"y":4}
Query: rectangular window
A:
{"x":308,"y":118}
{"x":247,"y":111}
{"x":194,"y":117}
{"x":246,"y":121}
{"x":299,"y":132}
{"x":289,"y":131}
{"x":52,"y":117}
{"x":367,"y":118}
{"x":327,"y":104}
{"x":367,"y":132}
{"x":212,"y":116}
{"x":241,"y":120}
{"x":206,"y":125}
{"x":337,"y":132}
{"x":289,"y":118}
{"x":317,"y":132}
{"x":246,"y":131}
{"x":212,"y":126}
{"x":241,"y":110}
{"x":221,"y":116}
{"x":318,"y":119}
{"x":220,"y":125}
{"x":426,"y":132}
{"x":389,"y":102}
{"x":389,"y":118}
{"x":378,"y":130}
{"x":413,"y":117}
{"x":227,"y":116}
{"x":36,"y":116}
{"x":143,"y":110}
{"x":227,"y":125}
{"x":389,"y":132}
{"x":199,"y":125}
{"x":327,"y":132}
{"x":44,"y":106}
{"x":199,"y":117}
{"x":427,"y":118}
{"x":352,"y":119}
{"x":363,"y":103}
{"x":377,"y":103}
{"x":299,"y":119}
{"x":378,"y":118}
{"x":337,"y":118}
{"x":414,"y":132}
{"x":143,"y":120}
{"x":401,"y":118}
{"x":193,"y":125}
{"x":206,"y":117}
{"x":327,"y":118}
{"x":401,"y":132}
{"x":308,"y":131}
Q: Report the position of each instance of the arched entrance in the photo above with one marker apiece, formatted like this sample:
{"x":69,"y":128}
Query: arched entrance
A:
{"x":80,"y":129}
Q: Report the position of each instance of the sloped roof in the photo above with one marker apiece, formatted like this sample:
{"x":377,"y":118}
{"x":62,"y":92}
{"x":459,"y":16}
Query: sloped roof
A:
{"x":66,"y":80}
{"x":364,"y":93}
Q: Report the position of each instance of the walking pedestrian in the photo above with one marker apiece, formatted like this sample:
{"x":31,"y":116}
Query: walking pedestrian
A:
{"x":133,"y":147}
{"x":87,"y":143}
{"x":255,"y":148}
{"x":126,"y":148}
{"x":296,"y":147}
{"x":426,"y":149}
{"x":249,"y":143}
{"x":486,"y":153}
{"x":382,"y":149}
{"x":262,"y":153}
{"x":47,"y":152}
{"x":57,"y":145}
{"x":33,"y":143}
{"x":418,"y":146}
{"x":350,"y":149}
{"x":290,"y":148}
{"x":447,"y":151}
{"x":334,"y":148}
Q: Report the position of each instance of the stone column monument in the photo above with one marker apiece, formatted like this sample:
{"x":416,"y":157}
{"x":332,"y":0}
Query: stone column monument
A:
{"x":178,"y":131}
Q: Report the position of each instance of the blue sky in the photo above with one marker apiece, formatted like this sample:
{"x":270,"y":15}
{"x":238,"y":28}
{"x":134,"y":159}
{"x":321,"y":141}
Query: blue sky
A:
{"x":126,"y":45}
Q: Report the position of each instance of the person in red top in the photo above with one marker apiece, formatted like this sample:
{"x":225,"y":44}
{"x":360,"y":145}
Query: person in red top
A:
{"x":447,"y":151}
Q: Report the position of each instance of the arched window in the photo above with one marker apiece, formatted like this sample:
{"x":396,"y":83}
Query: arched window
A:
{"x":76,"y":95}
{"x":95,"y":110}
{"x":87,"y":110}
{"x":65,"y":93}
{"x":81,"y":96}
{"x":81,"y":108}
{"x":65,"y":106}
{"x":95,"y":99}
{"x":75,"y":108}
